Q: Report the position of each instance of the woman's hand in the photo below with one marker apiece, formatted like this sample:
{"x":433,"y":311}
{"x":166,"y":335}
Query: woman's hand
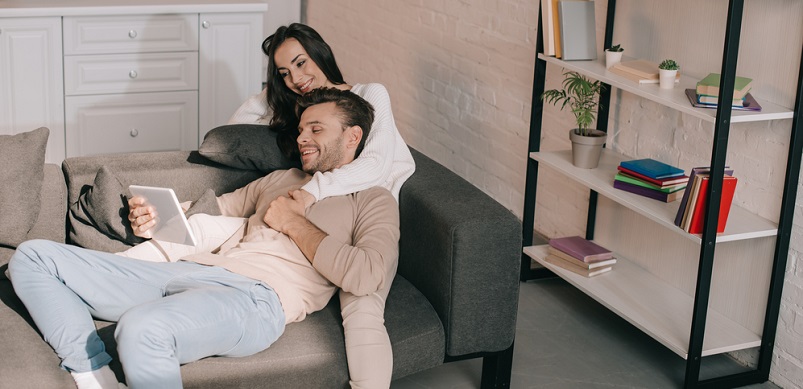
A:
{"x":284,"y":211}
{"x":306,"y":197}
{"x":141,"y":216}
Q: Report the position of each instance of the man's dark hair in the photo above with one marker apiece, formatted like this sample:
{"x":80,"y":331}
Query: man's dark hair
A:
{"x":281,"y":100}
{"x":353,"y":109}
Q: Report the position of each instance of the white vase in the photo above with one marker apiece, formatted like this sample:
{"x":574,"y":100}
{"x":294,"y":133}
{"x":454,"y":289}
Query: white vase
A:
{"x":587,"y":149}
{"x":666,"y":78}
{"x":612,"y":58}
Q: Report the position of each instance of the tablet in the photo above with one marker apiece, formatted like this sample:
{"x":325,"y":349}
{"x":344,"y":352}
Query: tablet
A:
{"x":171,"y":223}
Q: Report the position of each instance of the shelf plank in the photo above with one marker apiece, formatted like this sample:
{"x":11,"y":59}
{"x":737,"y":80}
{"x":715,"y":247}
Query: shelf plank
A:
{"x":674,"y":98}
{"x":741,"y":224}
{"x":655,"y":307}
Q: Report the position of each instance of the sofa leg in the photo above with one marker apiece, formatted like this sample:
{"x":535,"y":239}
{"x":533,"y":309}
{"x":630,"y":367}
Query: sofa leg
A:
{"x":496,"y":369}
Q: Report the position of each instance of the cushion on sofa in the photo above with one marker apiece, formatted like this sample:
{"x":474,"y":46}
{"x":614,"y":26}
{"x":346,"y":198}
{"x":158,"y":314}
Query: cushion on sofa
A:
{"x":245,"y":146}
{"x":22,"y":157}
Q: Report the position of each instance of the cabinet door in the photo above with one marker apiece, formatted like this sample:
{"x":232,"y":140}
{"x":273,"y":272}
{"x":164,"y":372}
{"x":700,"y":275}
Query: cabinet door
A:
{"x":31,"y":86}
{"x":230,"y":68}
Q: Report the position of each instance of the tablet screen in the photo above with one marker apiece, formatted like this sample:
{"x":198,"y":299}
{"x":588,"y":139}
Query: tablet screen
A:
{"x":171,"y":223}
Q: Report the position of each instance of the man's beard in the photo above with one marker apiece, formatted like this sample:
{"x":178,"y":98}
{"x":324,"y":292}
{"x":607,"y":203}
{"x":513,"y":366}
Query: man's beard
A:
{"x":329,"y":159}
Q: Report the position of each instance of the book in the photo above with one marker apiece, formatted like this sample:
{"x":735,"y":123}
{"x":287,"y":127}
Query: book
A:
{"x":684,"y":201}
{"x":639,"y":67}
{"x":749,"y":104}
{"x":662,"y":182}
{"x":647,"y":192}
{"x":556,"y":28}
{"x":580,"y":248}
{"x":548,"y":30}
{"x":586,"y":265}
{"x":698,"y":215}
{"x":709,"y":85}
{"x":578,"y":32}
{"x":652,"y":168}
{"x":706,"y":99}
{"x":557,"y":261}
{"x":636,"y":78}
{"x":695,"y":191}
{"x":635,"y":181}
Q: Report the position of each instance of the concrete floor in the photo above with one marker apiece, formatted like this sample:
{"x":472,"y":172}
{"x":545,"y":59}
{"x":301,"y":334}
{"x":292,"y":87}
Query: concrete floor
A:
{"x":564,"y":339}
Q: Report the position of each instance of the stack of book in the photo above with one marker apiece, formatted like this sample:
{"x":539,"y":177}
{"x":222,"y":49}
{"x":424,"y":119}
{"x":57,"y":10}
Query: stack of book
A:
{"x":650,"y":178}
{"x":640,"y":71}
{"x":579,"y":255}
{"x":692,"y":208}
{"x":706,"y":95}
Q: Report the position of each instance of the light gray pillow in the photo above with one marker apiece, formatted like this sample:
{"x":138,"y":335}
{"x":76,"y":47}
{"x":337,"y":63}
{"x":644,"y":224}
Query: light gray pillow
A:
{"x":22,"y":162}
{"x":245,"y":146}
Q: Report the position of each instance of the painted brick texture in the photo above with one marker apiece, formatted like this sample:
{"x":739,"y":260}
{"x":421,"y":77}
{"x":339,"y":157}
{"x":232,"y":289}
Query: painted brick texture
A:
{"x":460,"y":73}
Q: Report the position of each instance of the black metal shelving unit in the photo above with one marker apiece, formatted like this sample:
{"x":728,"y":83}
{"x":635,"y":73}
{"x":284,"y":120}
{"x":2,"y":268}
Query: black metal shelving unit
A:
{"x":708,"y":244}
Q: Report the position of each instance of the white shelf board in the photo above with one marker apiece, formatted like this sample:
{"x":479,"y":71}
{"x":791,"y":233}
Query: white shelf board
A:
{"x":741,"y":223}
{"x":674,"y":98}
{"x":655,"y":307}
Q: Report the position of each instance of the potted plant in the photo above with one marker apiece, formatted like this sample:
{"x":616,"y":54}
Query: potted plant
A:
{"x":581,"y":95}
{"x":613,"y":55}
{"x":667,"y":73}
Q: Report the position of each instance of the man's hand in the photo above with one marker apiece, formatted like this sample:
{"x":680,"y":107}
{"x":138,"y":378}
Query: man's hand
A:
{"x":286,"y":215}
{"x":283,"y":211}
{"x":141,"y":216}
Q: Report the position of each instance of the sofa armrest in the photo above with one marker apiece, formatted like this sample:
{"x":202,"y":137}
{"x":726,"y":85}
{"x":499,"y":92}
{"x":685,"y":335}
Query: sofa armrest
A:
{"x":462,"y":250}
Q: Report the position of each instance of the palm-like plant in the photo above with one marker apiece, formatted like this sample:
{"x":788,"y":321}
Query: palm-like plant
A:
{"x":580,"y":94}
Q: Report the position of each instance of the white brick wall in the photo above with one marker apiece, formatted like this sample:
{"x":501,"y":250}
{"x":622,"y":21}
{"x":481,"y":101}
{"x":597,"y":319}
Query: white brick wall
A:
{"x":460,"y":73}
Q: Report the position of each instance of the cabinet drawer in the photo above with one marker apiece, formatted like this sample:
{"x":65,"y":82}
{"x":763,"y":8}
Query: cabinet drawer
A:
{"x":138,"y":122}
{"x":123,"y":73}
{"x":130,"y":34}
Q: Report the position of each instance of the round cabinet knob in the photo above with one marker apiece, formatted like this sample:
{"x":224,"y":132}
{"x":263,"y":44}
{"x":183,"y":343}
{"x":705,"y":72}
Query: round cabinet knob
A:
{"x":132,"y":34}
{"x":205,"y":24}
{"x":134,"y":132}
{"x":132,"y":74}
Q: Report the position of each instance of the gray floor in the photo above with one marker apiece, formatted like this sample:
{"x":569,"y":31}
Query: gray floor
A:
{"x":564,"y":339}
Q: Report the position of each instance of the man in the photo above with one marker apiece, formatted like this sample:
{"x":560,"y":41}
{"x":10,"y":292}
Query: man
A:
{"x":232,"y":303}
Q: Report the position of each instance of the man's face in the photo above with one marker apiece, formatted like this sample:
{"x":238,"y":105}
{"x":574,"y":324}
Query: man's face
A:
{"x":322,"y":140}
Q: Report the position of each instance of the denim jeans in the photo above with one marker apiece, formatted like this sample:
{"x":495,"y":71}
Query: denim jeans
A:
{"x":168,"y":313}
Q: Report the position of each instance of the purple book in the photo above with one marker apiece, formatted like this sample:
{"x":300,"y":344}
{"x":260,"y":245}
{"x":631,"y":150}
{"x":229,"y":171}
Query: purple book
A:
{"x":646,"y":192}
{"x":750,"y":103}
{"x":582,"y":249}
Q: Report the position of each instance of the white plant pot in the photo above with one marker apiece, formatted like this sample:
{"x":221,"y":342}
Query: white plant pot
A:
{"x":586,"y":150}
{"x":613,"y":58}
{"x":666,"y":78}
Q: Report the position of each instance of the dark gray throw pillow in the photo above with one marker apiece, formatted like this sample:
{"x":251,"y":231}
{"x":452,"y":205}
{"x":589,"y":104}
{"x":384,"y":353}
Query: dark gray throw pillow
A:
{"x":245,"y":146}
{"x":22,"y":157}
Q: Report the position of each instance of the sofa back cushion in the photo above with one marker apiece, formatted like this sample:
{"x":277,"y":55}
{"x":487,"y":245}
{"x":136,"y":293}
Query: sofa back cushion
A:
{"x":22,"y":157}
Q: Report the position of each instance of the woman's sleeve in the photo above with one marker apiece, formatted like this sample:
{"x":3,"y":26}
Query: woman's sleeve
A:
{"x":253,"y":111}
{"x":375,"y":163}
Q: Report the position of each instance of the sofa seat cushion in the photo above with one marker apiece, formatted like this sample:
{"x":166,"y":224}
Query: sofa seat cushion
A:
{"x":310,"y":354}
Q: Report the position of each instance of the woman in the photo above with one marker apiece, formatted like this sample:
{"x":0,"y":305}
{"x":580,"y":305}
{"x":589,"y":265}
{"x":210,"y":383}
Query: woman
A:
{"x":300,"y":61}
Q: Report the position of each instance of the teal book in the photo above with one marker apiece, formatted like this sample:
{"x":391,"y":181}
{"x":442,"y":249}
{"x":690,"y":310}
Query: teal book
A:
{"x":652,"y":168}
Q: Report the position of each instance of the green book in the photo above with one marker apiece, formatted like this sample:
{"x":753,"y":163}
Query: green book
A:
{"x":635,"y":181}
{"x":710,"y":86}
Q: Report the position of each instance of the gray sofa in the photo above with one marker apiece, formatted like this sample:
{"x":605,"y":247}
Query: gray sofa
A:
{"x":455,"y":295}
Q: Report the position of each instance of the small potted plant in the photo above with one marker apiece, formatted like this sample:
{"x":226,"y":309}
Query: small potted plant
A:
{"x":613,"y":55}
{"x":581,"y":95}
{"x":667,"y":73}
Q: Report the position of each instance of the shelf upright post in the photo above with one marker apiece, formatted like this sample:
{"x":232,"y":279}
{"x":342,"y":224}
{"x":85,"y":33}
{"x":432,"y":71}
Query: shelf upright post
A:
{"x":534,"y":145}
{"x":718,"y":154}
{"x":602,"y":117}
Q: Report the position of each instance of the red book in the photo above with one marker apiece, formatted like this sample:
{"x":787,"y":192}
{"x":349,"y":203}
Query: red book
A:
{"x":728,"y":189}
{"x":663,"y":182}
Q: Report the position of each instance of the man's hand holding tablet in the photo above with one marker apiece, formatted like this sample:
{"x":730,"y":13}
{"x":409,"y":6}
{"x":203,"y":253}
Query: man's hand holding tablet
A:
{"x":156,"y":213}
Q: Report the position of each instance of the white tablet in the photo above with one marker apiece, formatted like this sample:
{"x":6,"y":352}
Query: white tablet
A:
{"x":171,"y":223}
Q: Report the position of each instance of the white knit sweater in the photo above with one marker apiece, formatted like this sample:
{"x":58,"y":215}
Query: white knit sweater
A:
{"x":385,"y":161}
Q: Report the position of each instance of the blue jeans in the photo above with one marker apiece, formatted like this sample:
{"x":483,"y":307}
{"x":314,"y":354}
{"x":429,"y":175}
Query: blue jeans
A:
{"x":168,"y":313}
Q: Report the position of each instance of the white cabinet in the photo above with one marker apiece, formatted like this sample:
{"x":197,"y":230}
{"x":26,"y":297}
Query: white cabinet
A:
{"x":230,"y":65}
{"x":31,"y":86}
{"x":154,"y":76}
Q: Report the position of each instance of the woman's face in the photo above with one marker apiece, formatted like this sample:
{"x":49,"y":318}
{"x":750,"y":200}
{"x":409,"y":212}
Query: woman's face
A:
{"x":297,"y":69}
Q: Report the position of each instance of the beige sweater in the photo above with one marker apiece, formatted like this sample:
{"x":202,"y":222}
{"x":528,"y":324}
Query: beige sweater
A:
{"x":362,"y":243}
